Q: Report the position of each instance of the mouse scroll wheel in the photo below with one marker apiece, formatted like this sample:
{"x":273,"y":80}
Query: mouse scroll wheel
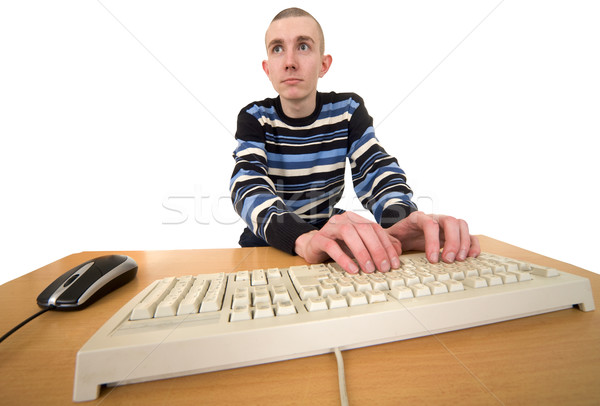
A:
{"x":71,"y":280}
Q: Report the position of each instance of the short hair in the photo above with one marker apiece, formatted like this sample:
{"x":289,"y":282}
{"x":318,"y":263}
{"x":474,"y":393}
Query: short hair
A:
{"x":298,"y":12}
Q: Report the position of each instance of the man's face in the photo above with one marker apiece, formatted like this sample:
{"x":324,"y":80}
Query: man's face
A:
{"x":294,"y":62}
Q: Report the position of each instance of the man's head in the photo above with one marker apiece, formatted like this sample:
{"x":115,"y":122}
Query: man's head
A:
{"x":295,"y":59}
{"x":298,"y":12}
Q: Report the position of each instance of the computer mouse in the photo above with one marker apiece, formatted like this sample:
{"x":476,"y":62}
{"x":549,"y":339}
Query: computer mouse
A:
{"x":88,"y":282}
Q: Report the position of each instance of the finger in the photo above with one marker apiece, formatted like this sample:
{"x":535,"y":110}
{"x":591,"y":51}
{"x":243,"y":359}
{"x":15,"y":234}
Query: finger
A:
{"x":387,"y":241}
{"x":397,"y":246}
{"x":377,"y":241}
{"x":431,"y":232}
{"x":377,"y":250}
{"x":451,"y":229}
{"x":349,"y":234}
{"x":475,"y":249}
{"x":335,"y":252}
{"x":465,"y":241}
{"x":344,"y":231}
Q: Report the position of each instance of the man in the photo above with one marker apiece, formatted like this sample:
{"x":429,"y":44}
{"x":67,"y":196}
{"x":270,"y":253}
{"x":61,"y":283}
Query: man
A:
{"x":290,"y":163}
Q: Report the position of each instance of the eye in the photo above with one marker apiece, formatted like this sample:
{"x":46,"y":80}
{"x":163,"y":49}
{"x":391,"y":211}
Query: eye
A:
{"x":304,"y":47}
{"x":277,"y":49}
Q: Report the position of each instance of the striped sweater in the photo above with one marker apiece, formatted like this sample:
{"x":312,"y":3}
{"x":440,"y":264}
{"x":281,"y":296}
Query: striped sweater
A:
{"x":289,"y":173}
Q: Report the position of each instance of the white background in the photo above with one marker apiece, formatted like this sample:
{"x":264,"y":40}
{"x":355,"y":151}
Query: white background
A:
{"x":117,"y":117}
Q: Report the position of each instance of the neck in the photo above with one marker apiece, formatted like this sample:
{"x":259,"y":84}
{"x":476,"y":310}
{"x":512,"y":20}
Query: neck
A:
{"x":299,"y":108}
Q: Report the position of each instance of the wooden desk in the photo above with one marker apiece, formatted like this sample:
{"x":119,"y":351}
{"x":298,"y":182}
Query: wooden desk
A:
{"x":548,"y":359}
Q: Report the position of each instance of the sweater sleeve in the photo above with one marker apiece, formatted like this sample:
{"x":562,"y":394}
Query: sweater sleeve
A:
{"x":379,"y":182}
{"x":253,"y":193}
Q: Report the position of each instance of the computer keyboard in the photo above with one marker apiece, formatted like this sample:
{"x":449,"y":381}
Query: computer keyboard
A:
{"x":193,"y":324}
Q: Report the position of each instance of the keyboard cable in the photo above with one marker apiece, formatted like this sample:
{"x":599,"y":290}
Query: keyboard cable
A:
{"x":341,"y":377}
{"x":25,"y":322}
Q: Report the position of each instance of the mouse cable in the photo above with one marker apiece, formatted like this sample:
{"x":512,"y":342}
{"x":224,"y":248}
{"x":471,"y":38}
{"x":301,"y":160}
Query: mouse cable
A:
{"x":341,"y":377}
{"x":25,"y":322}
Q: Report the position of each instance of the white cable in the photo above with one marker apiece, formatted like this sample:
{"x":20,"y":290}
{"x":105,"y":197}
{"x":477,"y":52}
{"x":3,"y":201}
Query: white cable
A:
{"x":341,"y":377}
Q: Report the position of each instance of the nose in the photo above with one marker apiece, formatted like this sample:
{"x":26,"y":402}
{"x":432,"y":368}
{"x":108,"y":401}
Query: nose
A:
{"x":290,"y":61}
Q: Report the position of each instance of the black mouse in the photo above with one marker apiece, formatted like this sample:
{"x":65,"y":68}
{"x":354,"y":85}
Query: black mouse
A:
{"x":88,"y":282}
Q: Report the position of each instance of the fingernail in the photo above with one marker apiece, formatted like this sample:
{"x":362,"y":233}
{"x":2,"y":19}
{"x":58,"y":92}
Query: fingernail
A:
{"x":385,"y":266}
{"x":450,"y":257}
{"x":370,"y":268}
{"x":395,"y":262}
{"x":462,"y":255}
{"x":434,"y":257}
{"x":353,"y":268}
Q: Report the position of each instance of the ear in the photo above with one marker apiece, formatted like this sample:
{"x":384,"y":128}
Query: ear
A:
{"x":326,"y":61}
{"x":265,"y":66}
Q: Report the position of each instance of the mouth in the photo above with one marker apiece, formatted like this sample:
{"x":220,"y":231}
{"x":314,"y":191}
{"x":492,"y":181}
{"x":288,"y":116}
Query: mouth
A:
{"x":291,"y":81}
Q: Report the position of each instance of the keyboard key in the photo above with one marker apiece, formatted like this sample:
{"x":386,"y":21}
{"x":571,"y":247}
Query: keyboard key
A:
{"x":420,"y":290}
{"x":394,"y":280}
{"x":475,"y":282}
{"x":410,"y":279}
{"x":214,"y":295}
{"x":511,"y":266}
{"x":240,"y":313}
{"x":273,"y":273}
{"x":469,"y":271}
{"x":361,"y":285}
{"x":356,"y":299}
{"x":261,"y":296}
{"x":492,"y":280}
{"x":524,"y":266}
{"x":507,"y":277}
{"x":258,"y":277}
{"x":308,"y":292}
{"x":284,"y":308}
{"x":280,"y":294}
{"x":169,"y":305}
{"x":496,"y":266}
{"x":321,"y":270}
{"x":456,"y":274}
{"x":379,"y":284}
{"x":375,"y":296}
{"x":401,"y":292}
{"x":263,"y":310}
{"x":437,"y":288}
{"x":441,"y":275}
{"x":522,"y":276}
{"x":344,"y":287}
{"x":484,"y":269}
{"x":305,"y":281}
{"x":191,"y":303}
{"x":545,"y":272}
{"x":241,"y":299}
{"x":147,"y":307}
{"x":314,"y":304}
{"x":211,"y":303}
{"x":336,"y":301}
{"x":326,"y":289}
{"x":454,"y":285}
{"x":425,"y":277}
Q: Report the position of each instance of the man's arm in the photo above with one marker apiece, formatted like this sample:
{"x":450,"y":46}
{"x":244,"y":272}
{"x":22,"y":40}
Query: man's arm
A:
{"x":253,"y":192}
{"x":381,"y":187}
